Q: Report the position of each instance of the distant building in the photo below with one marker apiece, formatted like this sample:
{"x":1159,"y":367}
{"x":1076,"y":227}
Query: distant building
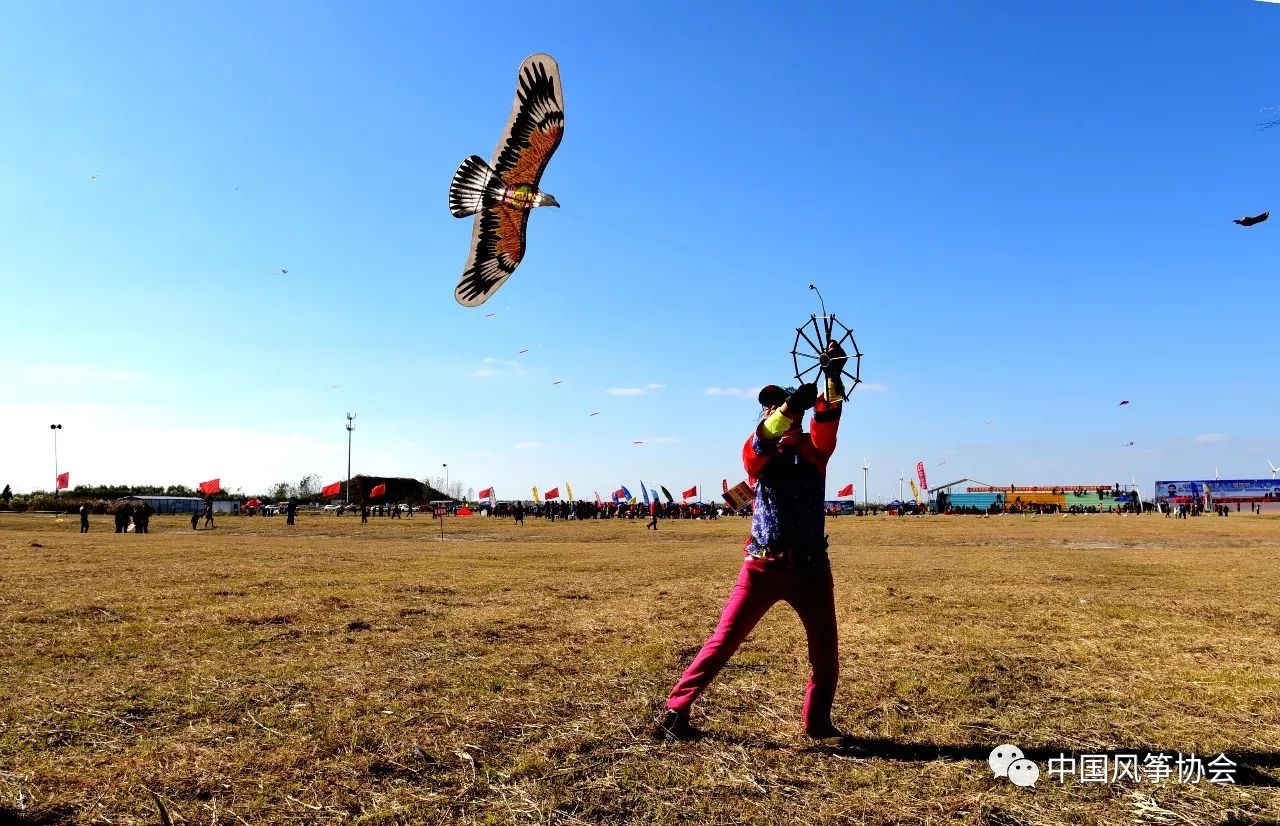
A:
{"x":182,"y":504}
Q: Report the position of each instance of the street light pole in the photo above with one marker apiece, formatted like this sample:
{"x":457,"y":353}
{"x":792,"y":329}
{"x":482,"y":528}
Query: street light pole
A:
{"x":55,"y":428}
{"x":351,"y":425}
{"x":445,"y":465}
{"x":865,"y":493}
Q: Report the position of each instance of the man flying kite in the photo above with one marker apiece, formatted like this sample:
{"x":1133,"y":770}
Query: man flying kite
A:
{"x":502,"y":194}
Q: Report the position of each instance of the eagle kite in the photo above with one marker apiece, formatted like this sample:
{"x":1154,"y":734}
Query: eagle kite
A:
{"x":501,"y":194}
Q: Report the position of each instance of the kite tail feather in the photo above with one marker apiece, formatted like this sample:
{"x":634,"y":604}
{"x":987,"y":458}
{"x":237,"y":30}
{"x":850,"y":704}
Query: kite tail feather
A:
{"x":475,"y":186}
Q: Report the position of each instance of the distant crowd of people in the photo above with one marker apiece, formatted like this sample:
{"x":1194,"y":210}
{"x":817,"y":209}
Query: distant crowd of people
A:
{"x":582,"y":509}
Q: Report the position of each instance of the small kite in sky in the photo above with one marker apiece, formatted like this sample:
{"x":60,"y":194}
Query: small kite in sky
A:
{"x":502,"y":195}
{"x":638,"y":442}
{"x":522,"y":352}
{"x":488,"y":315}
{"x":94,"y":178}
{"x":557,"y":381}
{"x":990,"y":422}
{"x":280,"y":272}
{"x":597,"y":413}
{"x":1129,"y":445}
{"x":1250,"y":220}
{"x":1123,"y":403}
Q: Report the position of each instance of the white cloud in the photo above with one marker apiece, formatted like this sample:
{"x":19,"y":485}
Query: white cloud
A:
{"x":498,"y":367}
{"x":635,"y":391}
{"x":737,"y":392}
{"x":527,"y":445}
{"x":1206,"y":438}
{"x":873,"y":387}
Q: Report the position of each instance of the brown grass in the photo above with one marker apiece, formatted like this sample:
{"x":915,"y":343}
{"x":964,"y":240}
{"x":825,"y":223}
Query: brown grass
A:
{"x":339,"y":673}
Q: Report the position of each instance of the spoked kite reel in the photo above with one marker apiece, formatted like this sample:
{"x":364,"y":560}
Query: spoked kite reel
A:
{"x":809,"y":354}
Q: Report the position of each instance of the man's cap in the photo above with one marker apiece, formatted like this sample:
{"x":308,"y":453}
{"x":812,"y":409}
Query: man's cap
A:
{"x":773,"y":396}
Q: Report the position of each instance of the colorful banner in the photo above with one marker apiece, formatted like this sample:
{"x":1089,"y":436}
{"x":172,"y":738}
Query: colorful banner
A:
{"x":487,"y":493}
{"x":211,"y":487}
{"x":535,"y":494}
{"x":64,"y":480}
{"x":915,"y":491}
{"x":667,"y":494}
{"x":332,"y":490}
{"x":569,"y":488}
{"x":378,"y":490}
{"x":924,"y":485}
{"x":554,"y":493}
{"x":693,"y":491}
{"x":847,"y":490}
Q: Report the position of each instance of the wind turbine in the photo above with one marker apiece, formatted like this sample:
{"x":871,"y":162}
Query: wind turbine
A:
{"x":1274,"y":469}
{"x":865,"y":468}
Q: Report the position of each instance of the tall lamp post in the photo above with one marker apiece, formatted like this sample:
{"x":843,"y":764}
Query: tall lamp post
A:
{"x":865,"y":493}
{"x":445,"y":465}
{"x":55,"y":428}
{"x":351,"y":425}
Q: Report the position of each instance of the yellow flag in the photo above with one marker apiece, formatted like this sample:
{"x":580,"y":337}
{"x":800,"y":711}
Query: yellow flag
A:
{"x":535,"y":494}
{"x":569,"y":488}
{"x":915,"y":491}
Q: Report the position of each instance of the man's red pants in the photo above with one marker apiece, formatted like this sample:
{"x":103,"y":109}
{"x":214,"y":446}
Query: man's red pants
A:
{"x":812,"y":594}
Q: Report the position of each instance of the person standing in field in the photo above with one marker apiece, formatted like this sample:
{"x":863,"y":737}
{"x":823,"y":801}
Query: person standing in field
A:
{"x":195,"y":520}
{"x":653,"y":515}
{"x":520,"y":512}
{"x":208,"y":514}
{"x":364,"y":513}
{"x":786,"y":554}
{"x":291,"y":511}
{"x":84,"y":519}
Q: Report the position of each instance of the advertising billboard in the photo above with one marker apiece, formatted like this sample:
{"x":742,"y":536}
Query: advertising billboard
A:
{"x":1220,"y":490}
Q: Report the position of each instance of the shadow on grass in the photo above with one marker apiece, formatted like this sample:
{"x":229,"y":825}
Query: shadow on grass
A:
{"x":1250,"y":765}
{"x":44,"y":817}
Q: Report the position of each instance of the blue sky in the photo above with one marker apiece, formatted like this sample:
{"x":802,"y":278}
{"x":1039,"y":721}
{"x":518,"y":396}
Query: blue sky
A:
{"x":1022,"y":209}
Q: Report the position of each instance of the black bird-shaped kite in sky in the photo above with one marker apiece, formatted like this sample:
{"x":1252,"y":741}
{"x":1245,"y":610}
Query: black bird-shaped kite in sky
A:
{"x":1250,"y":220}
{"x":501,"y":195}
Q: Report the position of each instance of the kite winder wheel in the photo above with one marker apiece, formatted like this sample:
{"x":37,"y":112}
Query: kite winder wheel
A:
{"x":809,"y":354}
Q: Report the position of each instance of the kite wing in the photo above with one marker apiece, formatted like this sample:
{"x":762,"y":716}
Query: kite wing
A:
{"x":497,"y":245}
{"x":536,"y":124}
{"x":533,"y":132}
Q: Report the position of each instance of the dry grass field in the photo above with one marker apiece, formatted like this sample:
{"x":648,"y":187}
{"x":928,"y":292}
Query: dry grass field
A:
{"x":339,"y":673}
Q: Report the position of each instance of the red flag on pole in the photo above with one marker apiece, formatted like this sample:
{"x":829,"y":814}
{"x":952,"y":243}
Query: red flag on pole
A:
{"x":485,"y":494}
{"x":211,"y":487}
{"x":693,"y":491}
{"x":554,"y":493}
{"x":847,"y":490}
{"x":378,"y":490}
{"x":920,"y":472}
{"x":64,"y":480}
{"x":332,"y":490}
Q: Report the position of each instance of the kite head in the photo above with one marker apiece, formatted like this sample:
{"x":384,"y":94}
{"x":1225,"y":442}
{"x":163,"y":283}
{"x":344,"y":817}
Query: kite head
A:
{"x":545,"y":199}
